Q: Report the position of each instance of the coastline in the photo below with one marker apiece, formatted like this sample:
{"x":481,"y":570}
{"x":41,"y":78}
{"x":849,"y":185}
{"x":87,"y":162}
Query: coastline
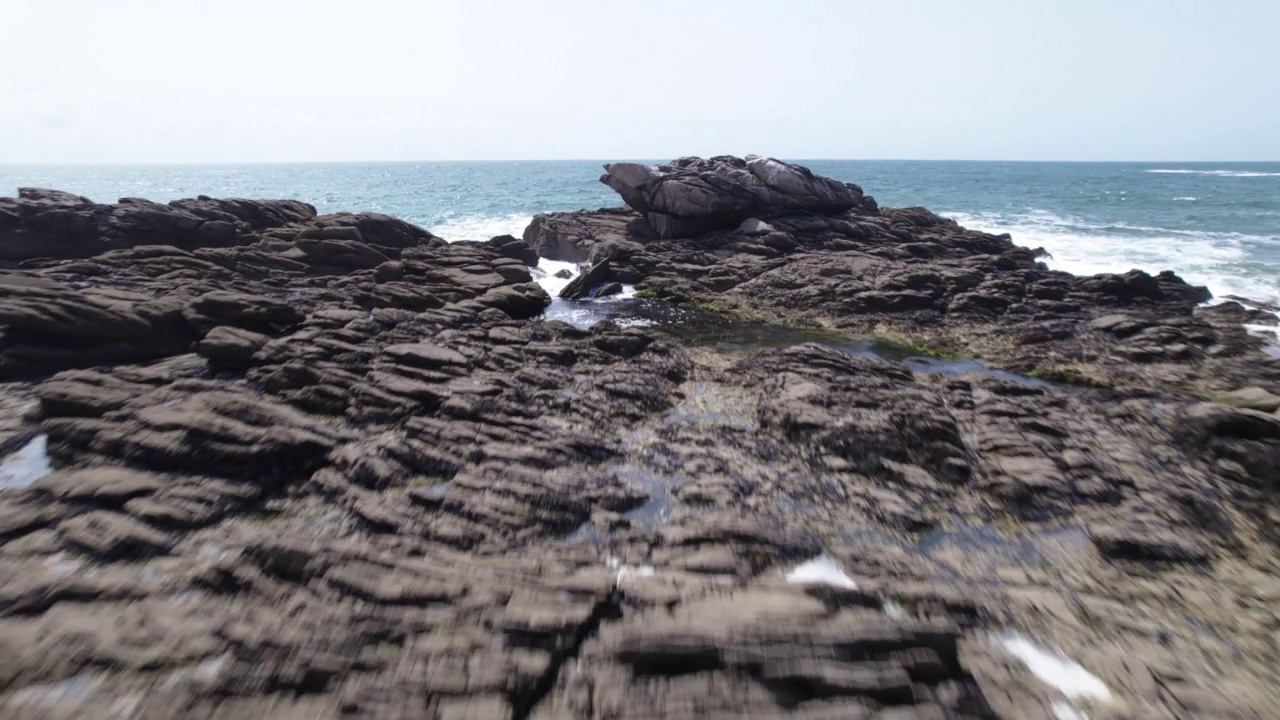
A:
{"x":349,"y":468}
{"x":1092,"y":217}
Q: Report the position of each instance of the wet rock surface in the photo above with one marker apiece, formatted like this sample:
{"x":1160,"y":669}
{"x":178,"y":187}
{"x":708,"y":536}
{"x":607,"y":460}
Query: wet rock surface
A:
{"x":294,"y":465}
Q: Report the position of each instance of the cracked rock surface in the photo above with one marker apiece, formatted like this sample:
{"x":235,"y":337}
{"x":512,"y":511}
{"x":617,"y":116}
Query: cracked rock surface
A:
{"x":260,"y":462}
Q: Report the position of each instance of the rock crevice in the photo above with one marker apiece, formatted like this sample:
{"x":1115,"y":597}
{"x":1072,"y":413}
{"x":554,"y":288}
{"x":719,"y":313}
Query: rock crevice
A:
{"x":331,"y":466}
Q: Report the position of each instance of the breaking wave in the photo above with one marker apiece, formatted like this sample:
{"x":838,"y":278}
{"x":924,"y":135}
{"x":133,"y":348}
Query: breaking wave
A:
{"x":1219,"y":261}
{"x":1218,"y":173}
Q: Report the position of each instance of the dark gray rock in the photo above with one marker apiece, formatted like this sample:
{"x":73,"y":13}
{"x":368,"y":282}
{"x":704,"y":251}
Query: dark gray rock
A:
{"x":249,"y":312}
{"x":572,"y":237}
{"x":228,"y":347}
{"x":691,"y":196}
{"x":339,"y":254}
{"x":590,"y":280}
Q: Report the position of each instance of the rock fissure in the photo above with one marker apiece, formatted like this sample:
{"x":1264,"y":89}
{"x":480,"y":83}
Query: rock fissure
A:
{"x":524,"y":707}
{"x":381,"y":475}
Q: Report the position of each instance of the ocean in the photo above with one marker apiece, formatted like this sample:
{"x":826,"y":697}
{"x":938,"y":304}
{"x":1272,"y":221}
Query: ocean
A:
{"x":1215,"y":224}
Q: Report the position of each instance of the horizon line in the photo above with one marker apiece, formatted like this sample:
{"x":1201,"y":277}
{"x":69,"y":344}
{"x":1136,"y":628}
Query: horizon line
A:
{"x":196,"y":163}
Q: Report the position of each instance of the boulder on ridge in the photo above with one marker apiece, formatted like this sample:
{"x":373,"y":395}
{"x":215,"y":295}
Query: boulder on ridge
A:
{"x":691,"y":196}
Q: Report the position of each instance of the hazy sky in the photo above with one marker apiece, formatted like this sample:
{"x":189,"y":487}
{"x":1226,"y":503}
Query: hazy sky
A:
{"x":267,"y":80}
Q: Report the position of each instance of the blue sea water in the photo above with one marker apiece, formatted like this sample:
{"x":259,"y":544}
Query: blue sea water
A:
{"x":1216,"y":224}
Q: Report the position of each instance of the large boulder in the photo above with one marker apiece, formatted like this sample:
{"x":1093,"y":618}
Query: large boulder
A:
{"x":597,"y":276}
{"x":47,"y":326}
{"x":257,"y":214}
{"x":384,"y":233}
{"x":43,"y":223}
{"x":691,"y":196}
{"x":575,"y":236}
{"x":516,"y":248}
{"x":227,"y":347}
{"x":250,"y":312}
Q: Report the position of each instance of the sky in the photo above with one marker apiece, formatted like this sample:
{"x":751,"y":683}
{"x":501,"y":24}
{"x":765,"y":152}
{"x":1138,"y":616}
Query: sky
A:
{"x":155,"y":81}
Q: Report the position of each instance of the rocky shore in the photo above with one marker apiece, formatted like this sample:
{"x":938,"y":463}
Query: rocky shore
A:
{"x":261,"y":462}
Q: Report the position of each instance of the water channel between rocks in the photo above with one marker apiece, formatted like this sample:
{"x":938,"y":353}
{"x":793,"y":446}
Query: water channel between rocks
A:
{"x":700,"y":328}
{"x":711,"y":405}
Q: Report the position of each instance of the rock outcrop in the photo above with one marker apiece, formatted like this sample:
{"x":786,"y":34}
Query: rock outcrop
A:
{"x":692,"y":196}
{"x":334,"y":467}
{"x":825,"y":254}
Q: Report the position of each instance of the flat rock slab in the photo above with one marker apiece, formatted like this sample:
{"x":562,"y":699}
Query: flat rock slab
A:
{"x":1252,"y":398}
{"x":111,"y":535}
{"x":426,"y":355}
{"x":102,"y":485}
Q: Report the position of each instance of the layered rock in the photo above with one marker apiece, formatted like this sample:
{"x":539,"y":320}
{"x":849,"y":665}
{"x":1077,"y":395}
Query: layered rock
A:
{"x":691,"y":196}
{"x":340,"y":468}
{"x":51,"y":224}
{"x":814,"y":258}
{"x":149,"y":289}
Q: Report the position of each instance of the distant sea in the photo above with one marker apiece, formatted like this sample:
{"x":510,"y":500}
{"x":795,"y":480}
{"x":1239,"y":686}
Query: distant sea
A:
{"x":1216,"y":224}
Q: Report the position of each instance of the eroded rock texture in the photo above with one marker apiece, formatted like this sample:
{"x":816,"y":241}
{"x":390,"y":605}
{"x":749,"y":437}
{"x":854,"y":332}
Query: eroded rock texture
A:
{"x":334,"y":467}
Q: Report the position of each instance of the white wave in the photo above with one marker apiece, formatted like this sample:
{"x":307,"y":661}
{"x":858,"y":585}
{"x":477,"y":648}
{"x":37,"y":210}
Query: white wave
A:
{"x":62,"y":563}
{"x":630,"y":322}
{"x":584,"y":314}
{"x":1219,"y":173}
{"x":893,"y":609}
{"x":822,"y":570}
{"x":28,"y":464}
{"x":625,"y":571}
{"x":1083,"y":248}
{"x":549,"y":274}
{"x":554,"y":275}
{"x":1186,"y":199}
{"x":574,"y":314}
{"x":1056,"y":669}
{"x":481,"y":227}
{"x":1246,"y":303}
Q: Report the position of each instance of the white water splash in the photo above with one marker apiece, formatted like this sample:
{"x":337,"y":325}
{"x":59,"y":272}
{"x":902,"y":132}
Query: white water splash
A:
{"x":28,"y":464}
{"x":1212,"y":259}
{"x":548,"y":272}
{"x":1219,"y":173}
{"x":625,"y":571}
{"x":481,"y":227}
{"x":822,"y":570}
{"x":585,"y":312}
{"x":1056,"y":669}
{"x":893,"y":609}
{"x":62,"y":564}
{"x":1266,"y":332}
{"x":1263,"y":331}
{"x":633,"y":322}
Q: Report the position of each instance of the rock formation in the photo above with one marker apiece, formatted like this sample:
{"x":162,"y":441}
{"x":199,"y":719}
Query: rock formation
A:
{"x":692,"y":196}
{"x":332,"y":466}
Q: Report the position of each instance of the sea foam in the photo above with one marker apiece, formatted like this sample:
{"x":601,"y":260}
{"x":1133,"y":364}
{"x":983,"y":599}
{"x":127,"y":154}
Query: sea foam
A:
{"x":481,"y":227}
{"x":588,"y":311}
{"x":548,"y":272}
{"x":1218,"y":173}
{"x":28,"y":464}
{"x":822,"y":570}
{"x":1085,"y":248}
{"x":1056,"y":669}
